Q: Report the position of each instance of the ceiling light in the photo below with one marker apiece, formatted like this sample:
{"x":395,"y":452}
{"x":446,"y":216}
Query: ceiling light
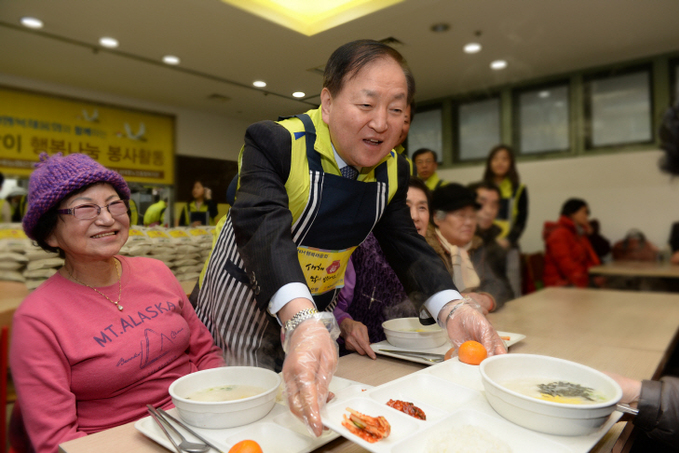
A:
{"x":108,"y":42}
{"x":170,"y":59}
{"x":299,"y":94}
{"x":31,"y":22}
{"x":544,"y":94}
{"x":440,"y":28}
{"x":498,"y":64}
{"x":259,"y":83}
{"x":472,"y":47}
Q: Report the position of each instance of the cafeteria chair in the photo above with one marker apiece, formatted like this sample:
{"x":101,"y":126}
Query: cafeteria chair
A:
{"x":532,"y":266}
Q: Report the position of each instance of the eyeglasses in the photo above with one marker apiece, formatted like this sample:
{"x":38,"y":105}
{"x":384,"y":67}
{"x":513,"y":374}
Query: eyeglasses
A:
{"x":90,"y":211}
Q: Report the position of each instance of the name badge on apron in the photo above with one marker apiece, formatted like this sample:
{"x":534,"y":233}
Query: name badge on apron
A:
{"x":323,"y":269}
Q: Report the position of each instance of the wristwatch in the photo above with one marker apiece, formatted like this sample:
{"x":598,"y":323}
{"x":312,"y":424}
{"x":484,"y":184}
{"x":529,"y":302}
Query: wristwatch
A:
{"x":300,"y":316}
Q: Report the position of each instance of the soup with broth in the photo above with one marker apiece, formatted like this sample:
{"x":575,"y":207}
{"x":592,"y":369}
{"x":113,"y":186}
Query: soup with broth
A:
{"x":226,"y":393}
{"x":556,"y":391}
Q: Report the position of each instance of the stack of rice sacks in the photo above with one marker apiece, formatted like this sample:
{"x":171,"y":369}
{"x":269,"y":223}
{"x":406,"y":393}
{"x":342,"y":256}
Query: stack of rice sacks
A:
{"x":183,"y":250}
{"x":21,"y":261}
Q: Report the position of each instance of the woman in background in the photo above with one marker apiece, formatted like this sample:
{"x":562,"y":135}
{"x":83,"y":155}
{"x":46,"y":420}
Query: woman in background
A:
{"x":201,"y":203}
{"x":568,"y":253}
{"x":513,"y":214}
{"x":106,"y":334}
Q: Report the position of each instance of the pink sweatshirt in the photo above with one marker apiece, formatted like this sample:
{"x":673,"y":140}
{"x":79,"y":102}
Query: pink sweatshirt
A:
{"x":81,"y":366}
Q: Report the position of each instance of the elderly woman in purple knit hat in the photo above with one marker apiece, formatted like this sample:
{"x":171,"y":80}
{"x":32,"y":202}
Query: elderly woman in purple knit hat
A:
{"x":106,"y":334}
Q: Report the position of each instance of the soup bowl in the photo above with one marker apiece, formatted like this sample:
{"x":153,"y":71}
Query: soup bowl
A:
{"x":564,"y":419}
{"x":225,"y":414}
{"x":408,"y":333}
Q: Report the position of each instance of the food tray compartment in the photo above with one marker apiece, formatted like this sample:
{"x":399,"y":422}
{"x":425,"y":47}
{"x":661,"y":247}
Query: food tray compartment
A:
{"x":270,"y":437}
{"x":435,"y":396}
{"x":402,"y":425}
{"x":467,"y":422}
{"x":460,"y":373}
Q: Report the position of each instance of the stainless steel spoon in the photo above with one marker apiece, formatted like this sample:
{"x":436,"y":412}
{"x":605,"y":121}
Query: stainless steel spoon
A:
{"x":184,"y":444}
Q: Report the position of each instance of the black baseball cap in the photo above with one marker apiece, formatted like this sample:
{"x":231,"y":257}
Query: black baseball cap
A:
{"x":452,"y":197}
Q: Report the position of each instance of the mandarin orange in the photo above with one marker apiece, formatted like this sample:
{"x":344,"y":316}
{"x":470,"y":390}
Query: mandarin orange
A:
{"x":246,"y":446}
{"x":472,"y":352}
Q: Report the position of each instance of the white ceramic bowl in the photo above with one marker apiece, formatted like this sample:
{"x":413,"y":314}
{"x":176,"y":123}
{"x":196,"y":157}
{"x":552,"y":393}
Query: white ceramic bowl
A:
{"x":408,"y":333}
{"x":547,"y":416}
{"x":225,"y":414}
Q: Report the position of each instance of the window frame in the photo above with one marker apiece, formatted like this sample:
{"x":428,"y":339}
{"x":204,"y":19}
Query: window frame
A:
{"x":516,"y":116}
{"x":419,"y":111}
{"x":587,"y":105}
{"x":495,"y":94}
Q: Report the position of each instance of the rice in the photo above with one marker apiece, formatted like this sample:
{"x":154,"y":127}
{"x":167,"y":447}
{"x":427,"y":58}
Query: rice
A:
{"x":465,"y":439}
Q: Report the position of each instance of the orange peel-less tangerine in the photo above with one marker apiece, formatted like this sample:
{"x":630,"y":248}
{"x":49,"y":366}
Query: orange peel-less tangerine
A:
{"x":472,"y":352}
{"x":246,"y":446}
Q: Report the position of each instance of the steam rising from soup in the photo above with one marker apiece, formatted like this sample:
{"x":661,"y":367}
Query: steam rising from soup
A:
{"x":226,"y":393}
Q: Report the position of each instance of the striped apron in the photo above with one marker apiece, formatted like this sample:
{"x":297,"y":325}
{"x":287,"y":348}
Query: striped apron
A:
{"x":338,"y":216}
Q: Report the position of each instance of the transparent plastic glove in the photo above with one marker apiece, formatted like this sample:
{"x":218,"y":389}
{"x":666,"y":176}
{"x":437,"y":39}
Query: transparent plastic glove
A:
{"x":356,"y":337}
{"x":466,"y":322}
{"x":311,"y":360}
{"x":483,"y":300}
{"x":631,"y":388}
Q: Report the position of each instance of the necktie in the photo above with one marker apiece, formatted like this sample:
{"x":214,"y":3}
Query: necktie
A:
{"x":349,"y":172}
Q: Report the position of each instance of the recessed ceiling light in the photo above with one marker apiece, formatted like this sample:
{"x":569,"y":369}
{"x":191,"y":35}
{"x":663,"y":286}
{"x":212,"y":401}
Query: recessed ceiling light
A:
{"x":299,"y":94}
{"x":544,"y":94}
{"x":170,"y":59}
{"x":472,"y":47}
{"x":498,"y":64}
{"x":440,"y":28}
{"x":108,"y":42}
{"x":259,"y":83}
{"x":31,"y":22}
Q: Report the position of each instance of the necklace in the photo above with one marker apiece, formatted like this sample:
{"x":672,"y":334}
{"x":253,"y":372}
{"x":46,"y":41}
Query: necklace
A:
{"x":120,"y":288}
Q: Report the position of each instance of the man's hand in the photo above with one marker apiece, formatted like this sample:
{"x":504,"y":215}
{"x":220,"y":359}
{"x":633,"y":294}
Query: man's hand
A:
{"x":468,"y":323}
{"x":308,"y":368}
{"x":356,"y":337}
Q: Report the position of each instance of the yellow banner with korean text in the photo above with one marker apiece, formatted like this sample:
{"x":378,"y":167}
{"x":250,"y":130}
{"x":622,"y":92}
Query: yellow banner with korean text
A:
{"x":137,"y":144}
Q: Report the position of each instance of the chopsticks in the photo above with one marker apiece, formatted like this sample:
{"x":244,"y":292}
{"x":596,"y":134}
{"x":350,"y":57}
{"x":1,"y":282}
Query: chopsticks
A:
{"x":160,"y":416}
{"x":189,"y":430}
{"x":157,"y":417}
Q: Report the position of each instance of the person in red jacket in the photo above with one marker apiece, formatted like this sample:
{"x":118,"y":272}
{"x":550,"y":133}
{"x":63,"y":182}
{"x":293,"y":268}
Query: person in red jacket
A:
{"x":568,"y":253}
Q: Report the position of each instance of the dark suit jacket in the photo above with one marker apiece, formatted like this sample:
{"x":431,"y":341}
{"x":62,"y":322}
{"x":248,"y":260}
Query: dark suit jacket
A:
{"x":262,"y":223}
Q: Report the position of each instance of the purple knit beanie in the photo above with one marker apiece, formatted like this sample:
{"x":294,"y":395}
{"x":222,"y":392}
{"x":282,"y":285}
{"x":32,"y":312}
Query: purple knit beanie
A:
{"x":57,"y":176}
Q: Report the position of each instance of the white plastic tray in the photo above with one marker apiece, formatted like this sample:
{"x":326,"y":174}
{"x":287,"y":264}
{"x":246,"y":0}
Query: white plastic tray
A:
{"x":278,"y":427}
{"x":513,"y":339}
{"x":451,"y":395}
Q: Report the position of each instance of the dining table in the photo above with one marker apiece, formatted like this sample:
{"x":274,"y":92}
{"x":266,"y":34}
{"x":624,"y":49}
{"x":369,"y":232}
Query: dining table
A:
{"x":653,"y":269}
{"x":629,"y":333}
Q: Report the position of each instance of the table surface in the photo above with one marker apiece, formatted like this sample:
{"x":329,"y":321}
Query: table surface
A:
{"x":637,"y":269}
{"x":619,"y":331}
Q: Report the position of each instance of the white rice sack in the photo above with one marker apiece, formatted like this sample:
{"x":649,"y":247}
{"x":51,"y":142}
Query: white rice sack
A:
{"x":45,"y":264}
{"x":11,"y":265}
{"x":201,"y":234}
{"x":13,"y":238}
{"x":158,"y":249}
{"x":179,"y":235}
{"x":188,"y":249}
{"x":187,"y":276}
{"x":12,"y":276}
{"x":43,"y":274}
{"x":32,"y":284}
{"x":13,"y":256}
{"x":137,"y":234}
{"x":36,"y":253}
{"x":184,"y":262}
{"x":188,"y":269}
{"x":159,"y":236}
{"x":135,"y":249}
